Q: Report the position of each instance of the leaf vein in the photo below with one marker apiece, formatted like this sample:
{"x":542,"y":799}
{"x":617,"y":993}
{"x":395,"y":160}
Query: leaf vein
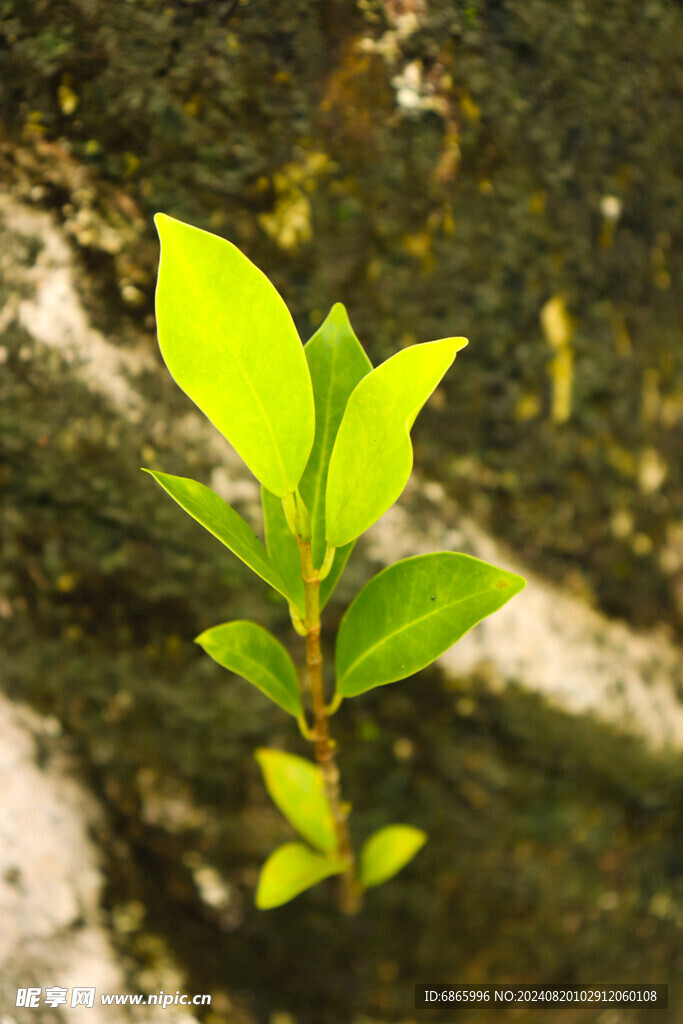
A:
{"x":402,"y":629}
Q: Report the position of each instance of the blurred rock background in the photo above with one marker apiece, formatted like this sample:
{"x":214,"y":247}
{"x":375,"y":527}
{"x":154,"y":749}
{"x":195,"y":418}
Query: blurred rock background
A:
{"x":509,"y":171}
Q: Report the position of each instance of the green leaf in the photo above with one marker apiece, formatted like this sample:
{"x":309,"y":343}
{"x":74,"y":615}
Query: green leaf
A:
{"x":372,"y":455}
{"x":284,"y":551}
{"x":296,"y":786}
{"x":230,"y":343}
{"x":282,"y":547}
{"x":253,"y":652}
{"x":337,"y":363}
{"x":216,"y":516}
{"x":412,"y":612}
{"x":387,"y":851}
{"x":341,"y":557}
{"x":290,"y":870}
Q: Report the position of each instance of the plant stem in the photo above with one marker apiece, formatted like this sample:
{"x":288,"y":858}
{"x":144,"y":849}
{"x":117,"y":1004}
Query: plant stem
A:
{"x":350,"y":893}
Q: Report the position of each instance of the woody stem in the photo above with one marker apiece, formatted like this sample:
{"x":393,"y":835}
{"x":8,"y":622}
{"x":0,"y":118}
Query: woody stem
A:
{"x":349,"y":896}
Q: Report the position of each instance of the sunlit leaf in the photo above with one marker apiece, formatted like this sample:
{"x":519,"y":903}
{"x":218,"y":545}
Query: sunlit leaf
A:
{"x":412,"y":612}
{"x":296,"y":786}
{"x":229,"y":341}
{"x":290,"y":870}
{"x":373,"y":455}
{"x":337,"y":363}
{"x":284,"y":552}
{"x":387,"y":851}
{"x":254,"y":653}
{"x":216,"y":516}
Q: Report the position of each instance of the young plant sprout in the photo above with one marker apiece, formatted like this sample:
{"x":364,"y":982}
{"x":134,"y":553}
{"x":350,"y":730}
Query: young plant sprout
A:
{"x":328,"y":438}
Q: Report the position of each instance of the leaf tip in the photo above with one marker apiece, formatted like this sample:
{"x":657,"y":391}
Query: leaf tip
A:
{"x":518,"y":582}
{"x":338,"y":311}
{"x":160,"y":221}
{"x":458,"y":344}
{"x":418,"y":838}
{"x":167,"y":226}
{"x":155,"y":474}
{"x":261,"y":756}
{"x":421,"y":836}
{"x":454,"y":345}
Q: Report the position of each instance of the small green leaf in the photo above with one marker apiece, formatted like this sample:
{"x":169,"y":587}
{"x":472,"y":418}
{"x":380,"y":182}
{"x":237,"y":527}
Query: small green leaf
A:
{"x":412,"y":612}
{"x":341,"y":557}
{"x":388,"y":851}
{"x":230,"y":343}
{"x":216,"y":516}
{"x":282,"y":546}
{"x":290,"y":870}
{"x":372,"y":455}
{"x":253,"y":652}
{"x":284,"y":551}
{"x":296,"y":786}
{"x":337,"y":363}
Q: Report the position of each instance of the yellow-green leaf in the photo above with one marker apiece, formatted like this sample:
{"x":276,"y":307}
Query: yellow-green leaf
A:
{"x":216,"y":516}
{"x":387,"y":851}
{"x":290,"y":870}
{"x":373,"y":455}
{"x":284,"y":552}
{"x":282,"y":547}
{"x":230,"y":343}
{"x":412,"y":612}
{"x":254,"y":653}
{"x":337,"y":363}
{"x":296,"y":786}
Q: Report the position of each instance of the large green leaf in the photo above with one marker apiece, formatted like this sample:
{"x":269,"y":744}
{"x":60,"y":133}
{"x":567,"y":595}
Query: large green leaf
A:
{"x":290,"y":870}
{"x":216,"y":516}
{"x":253,"y":652}
{"x":372,"y":455}
{"x":412,"y":612}
{"x":387,"y":851}
{"x":229,"y":341}
{"x":296,"y":786}
{"x":284,"y":551}
{"x":337,"y":363}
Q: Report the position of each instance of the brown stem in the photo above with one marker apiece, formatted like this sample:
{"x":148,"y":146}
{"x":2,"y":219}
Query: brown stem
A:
{"x":350,"y":893}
